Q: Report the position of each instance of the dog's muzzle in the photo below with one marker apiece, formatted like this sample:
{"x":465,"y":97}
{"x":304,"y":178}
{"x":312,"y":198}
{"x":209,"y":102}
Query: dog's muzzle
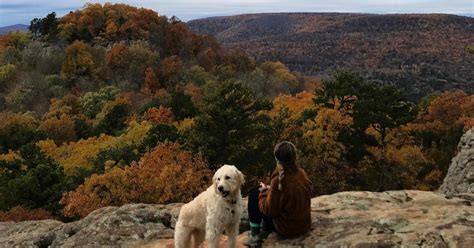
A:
{"x":222,"y":191}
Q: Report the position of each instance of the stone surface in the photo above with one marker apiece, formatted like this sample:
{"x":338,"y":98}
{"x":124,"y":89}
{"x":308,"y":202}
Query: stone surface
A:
{"x":346,"y":219}
{"x":389,"y":219}
{"x":460,"y":177}
{"x":129,"y":225}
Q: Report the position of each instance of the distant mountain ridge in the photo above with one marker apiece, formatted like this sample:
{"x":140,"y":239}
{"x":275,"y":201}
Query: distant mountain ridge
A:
{"x":10,"y":28}
{"x":421,"y":53}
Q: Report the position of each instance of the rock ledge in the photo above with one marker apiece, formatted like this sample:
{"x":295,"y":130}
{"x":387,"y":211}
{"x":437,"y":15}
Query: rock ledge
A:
{"x":352,"y":219}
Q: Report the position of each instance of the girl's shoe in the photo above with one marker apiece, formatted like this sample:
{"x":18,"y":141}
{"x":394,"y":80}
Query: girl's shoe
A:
{"x":253,"y":241}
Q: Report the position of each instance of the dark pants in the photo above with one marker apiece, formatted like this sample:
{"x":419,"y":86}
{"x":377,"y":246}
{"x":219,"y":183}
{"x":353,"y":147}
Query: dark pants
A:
{"x":255,"y":216}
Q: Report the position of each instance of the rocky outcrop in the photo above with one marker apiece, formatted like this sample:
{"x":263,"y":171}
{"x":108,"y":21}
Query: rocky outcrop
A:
{"x":389,"y":219}
{"x":351,"y":219}
{"x":460,"y":177}
{"x":128,"y":226}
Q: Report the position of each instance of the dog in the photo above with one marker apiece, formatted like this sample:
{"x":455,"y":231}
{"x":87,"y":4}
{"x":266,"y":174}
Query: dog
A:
{"x":212,"y":212}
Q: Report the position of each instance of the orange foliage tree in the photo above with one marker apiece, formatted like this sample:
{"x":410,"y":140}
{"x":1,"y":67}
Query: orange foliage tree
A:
{"x":151,"y":84}
{"x":60,"y":129}
{"x":194,"y":92}
{"x":163,"y":175}
{"x":117,"y":57}
{"x":119,"y":21}
{"x":160,"y":115}
{"x":170,"y":68}
{"x":452,"y":110}
{"x":180,"y":41}
{"x":438,"y":128}
{"x":207,"y":59}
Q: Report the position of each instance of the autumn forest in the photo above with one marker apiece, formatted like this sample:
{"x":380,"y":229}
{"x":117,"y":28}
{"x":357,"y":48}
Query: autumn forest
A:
{"x":113,"y":104}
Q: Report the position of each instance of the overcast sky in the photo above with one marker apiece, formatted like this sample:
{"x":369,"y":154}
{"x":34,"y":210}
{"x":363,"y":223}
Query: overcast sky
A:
{"x":22,"y":11}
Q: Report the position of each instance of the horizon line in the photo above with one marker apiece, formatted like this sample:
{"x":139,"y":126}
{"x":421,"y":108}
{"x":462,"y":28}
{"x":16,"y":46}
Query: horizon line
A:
{"x":471,"y":15}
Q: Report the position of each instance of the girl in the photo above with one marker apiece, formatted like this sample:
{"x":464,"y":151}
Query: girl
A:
{"x":285,"y":204}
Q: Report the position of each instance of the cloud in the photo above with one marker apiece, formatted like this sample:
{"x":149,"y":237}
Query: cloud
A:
{"x":22,"y":11}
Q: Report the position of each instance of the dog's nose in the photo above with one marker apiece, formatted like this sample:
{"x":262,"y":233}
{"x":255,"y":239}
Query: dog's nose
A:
{"x":220,"y":188}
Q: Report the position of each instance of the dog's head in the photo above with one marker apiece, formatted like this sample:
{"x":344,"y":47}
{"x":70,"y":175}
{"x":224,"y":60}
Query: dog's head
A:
{"x":227,"y":180}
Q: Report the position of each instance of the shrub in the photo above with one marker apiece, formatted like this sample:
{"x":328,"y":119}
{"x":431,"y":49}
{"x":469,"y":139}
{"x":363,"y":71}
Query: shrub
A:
{"x":20,"y":213}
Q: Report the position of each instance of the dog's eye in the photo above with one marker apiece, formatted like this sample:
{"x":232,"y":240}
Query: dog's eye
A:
{"x":227,"y":177}
{"x":218,"y":179}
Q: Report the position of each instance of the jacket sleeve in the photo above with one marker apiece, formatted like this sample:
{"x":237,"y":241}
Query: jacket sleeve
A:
{"x":269,"y":201}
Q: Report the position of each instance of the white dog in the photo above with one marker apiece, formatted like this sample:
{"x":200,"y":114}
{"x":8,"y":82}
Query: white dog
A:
{"x":213,"y":211}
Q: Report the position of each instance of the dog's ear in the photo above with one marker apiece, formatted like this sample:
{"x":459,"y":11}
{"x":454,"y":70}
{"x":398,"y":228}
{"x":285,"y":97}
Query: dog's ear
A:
{"x":241,"y":177}
{"x":214,"y":178}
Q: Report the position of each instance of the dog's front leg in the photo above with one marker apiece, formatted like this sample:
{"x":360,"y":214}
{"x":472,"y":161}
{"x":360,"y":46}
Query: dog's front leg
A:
{"x":213,"y":232}
{"x":232,"y":231}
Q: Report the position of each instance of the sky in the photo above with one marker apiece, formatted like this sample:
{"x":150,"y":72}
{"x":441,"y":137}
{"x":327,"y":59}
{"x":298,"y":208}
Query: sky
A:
{"x":23,"y":11}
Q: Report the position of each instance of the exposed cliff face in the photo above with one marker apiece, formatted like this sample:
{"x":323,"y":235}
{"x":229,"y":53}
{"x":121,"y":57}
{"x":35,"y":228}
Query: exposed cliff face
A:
{"x":362,"y":219}
{"x":460,"y":177}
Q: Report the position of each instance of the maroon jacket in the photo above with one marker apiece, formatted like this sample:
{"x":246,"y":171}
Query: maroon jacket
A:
{"x":290,"y":208}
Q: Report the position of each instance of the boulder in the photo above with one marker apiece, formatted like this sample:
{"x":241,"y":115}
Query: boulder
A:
{"x":460,"y":177}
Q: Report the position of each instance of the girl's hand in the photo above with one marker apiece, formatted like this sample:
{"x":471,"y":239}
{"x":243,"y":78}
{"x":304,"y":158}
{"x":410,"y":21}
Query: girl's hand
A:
{"x":263,"y":187}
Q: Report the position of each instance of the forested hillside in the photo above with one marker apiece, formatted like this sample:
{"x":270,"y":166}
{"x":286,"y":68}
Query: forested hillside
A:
{"x":113,"y":104}
{"x":420,"y":53}
{"x":17,"y":27}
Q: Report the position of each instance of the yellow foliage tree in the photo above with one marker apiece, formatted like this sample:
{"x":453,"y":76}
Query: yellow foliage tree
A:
{"x":320,"y":135}
{"x":78,"y":61}
{"x":68,"y":105}
{"x":17,"y":129}
{"x":270,"y":79}
{"x":324,"y":159}
{"x":295,"y":104}
{"x":9,"y":156}
{"x":185,"y":125}
{"x":401,"y":164}
{"x":26,"y":119}
{"x":287,"y":111}
{"x":81,"y":153}
{"x":6,"y":73}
